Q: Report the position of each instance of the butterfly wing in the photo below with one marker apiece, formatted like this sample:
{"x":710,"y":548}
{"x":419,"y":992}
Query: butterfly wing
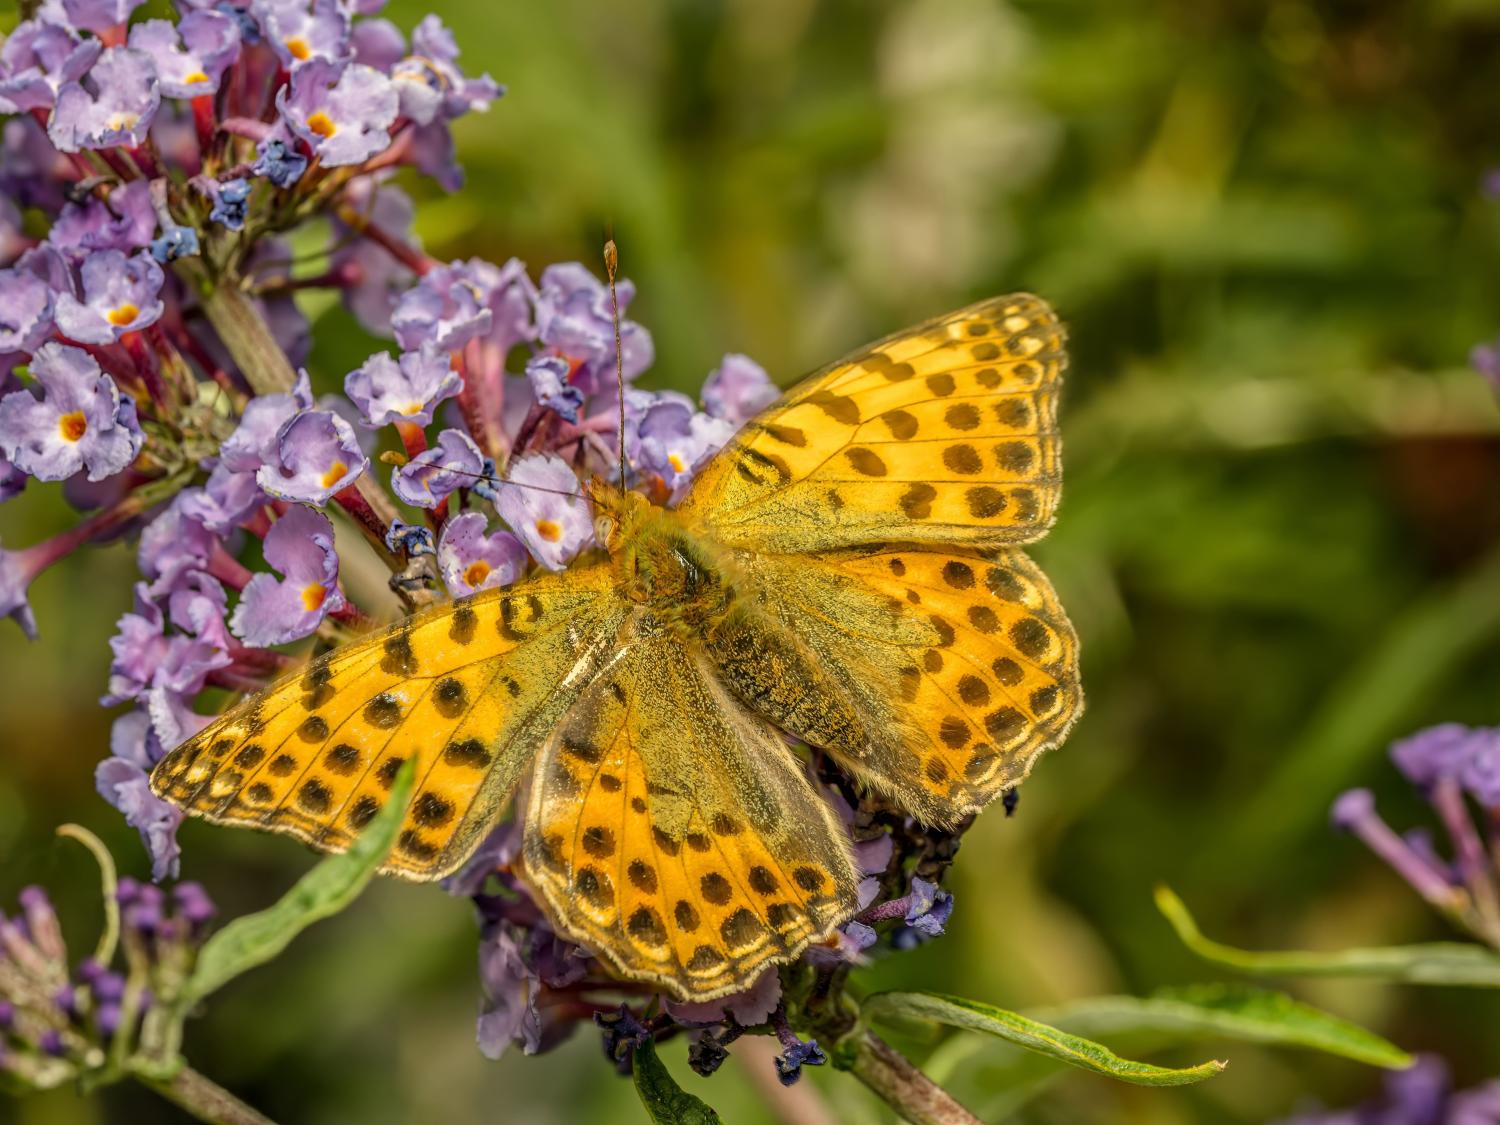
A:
{"x":959,"y":666}
{"x":471,"y":689}
{"x":674,"y":832}
{"x":944,"y":433}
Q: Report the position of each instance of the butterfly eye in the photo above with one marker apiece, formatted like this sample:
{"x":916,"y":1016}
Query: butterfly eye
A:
{"x":604,"y":530}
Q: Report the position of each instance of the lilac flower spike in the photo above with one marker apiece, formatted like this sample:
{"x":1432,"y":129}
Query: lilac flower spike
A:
{"x":471,"y":559}
{"x":316,"y":456}
{"x":114,"y":105}
{"x":299,"y":546}
{"x":192,"y":55}
{"x":553,"y":527}
{"x":431,"y":476}
{"x":1432,"y":754}
{"x":1354,"y":812}
{"x":574,"y":317}
{"x":81,"y":422}
{"x":387,"y":390}
{"x":120,"y":295}
{"x":37,"y":59}
{"x":445,"y":309}
{"x":342,"y":111}
{"x":127,"y":786}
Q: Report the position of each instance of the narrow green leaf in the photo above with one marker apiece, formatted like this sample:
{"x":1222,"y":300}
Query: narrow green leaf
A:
{"x":666,"y":1102}
{"x":1034,"y":1036}
{"x":1439,"y":962}
{"x":1252,"y":1014}
{"x":325,"y":890}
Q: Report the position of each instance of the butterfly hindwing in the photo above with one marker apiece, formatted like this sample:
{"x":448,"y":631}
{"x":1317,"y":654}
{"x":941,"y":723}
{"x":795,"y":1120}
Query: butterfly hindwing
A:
{"x":470,"y":689}
{"x":676,"y":834}
{"x":946,"y":432}
{"x":961,"y":666}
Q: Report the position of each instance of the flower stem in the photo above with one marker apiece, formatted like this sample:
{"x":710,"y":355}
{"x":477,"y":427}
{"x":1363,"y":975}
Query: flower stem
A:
{"x":247,"y":337}
{"x":205,"y":1100}
{"x":917,"y":1098}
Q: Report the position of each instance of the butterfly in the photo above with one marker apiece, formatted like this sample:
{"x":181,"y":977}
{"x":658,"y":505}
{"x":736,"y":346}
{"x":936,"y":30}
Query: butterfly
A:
{"x":845,"y":571}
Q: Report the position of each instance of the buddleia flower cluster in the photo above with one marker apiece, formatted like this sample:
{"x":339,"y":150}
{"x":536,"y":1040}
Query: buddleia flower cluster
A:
{"x":152,"y":175}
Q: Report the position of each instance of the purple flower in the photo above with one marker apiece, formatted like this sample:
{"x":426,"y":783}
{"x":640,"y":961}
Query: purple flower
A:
{"x":191,"y":56}
{"x":796,"y":1055}
{"x":408,"y":390}
{"x":926,"y":915}
{"x":377,"y":43}
{"x":148,"y":659}
{"x":1481,"y":773}
{"x":674,"y":441}
{"x":300,"y":547}
{"x":127,"y":787}
{"x":98,"y":16}
{"x":278,"y":161}
{"x":120,"y":295}
{"x":25,"y":312}
{"x":253,"y":444}
{"x":12,"y":480}
{"x":1354,"y":812}
{"x":342,"y":111}
{"x":174,"y":543}
{"x":472,"y":560}
{"x":175,"y":242}
{"x":316,"y":456}
{"x":432,"y":475}
{"x":553,"y":527}
{"x":114,"y":105}
{"x":548,"y":376}
{"x":126,"y":222}
{"x":1434,"y":753}
{"x":374,"y":278}
{"x":750,"y":1008}
{"x":445,"y":309}
{"x":224,"y":502}
{"x":574,"y":319}
{"x":231,"y":203}
{"x":17,"y":569}
{"x":81,"y":422}
{"x":738,"y":389}
{"x":300,"y":32}
{"x":508,"y":1012}
{"x":37,"y":59}
{"x":430,"y":81}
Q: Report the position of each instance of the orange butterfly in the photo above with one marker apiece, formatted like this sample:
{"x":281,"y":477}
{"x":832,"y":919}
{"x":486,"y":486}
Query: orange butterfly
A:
{"x":847,"y":571}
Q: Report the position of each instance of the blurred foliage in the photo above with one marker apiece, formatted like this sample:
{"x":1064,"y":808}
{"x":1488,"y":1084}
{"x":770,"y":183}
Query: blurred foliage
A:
{"x":1281,"y":540}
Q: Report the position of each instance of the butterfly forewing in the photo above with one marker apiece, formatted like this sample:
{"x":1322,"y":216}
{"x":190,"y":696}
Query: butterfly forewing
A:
{"x":674,"y":832}
{"x":469,"y":689}
{"x":943,"y":433}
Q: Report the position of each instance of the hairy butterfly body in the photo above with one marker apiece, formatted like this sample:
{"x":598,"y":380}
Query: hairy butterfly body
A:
{"x":846,"y":571}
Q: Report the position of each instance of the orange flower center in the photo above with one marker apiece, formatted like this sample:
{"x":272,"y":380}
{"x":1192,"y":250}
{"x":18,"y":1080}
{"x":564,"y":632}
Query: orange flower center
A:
{"x":321,"y":124}
{"x":334,"y":474}
{"x":550,"y":530}
{"x":194,"y":79}
{"x":122,"y":315}
{"x":412,"y":408}
{"x":312,"y":597}
{"x":476,"y":572}
{"x":73,"y":426}
{"x":676,"y":462}
{"x":120,"y":122}
{"x":297,"y":47}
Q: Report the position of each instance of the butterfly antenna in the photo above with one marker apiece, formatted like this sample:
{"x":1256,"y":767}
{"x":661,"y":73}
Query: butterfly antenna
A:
{"x":611,"y":265}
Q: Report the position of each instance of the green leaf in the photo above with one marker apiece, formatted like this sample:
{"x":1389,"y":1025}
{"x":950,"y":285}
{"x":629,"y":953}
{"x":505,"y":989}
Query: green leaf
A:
{"x":1439,"y":962}
{"x":325,"y":890}
{"x":1246,"y":1013}
{"x":1034,"y":1036}
{"x":666,"y":1102}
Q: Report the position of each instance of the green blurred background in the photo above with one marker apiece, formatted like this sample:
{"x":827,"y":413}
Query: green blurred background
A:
{"x":1281,"y":537}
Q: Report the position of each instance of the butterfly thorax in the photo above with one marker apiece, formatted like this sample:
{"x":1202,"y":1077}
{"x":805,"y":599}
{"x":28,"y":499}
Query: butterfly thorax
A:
{"x":661,"y":565}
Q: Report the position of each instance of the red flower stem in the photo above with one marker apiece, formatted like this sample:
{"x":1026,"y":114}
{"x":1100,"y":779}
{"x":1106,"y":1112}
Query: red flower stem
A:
{"x":248,"y":127}
{"x":359,"y":502}
{"x":145,"y":363}
{"x":206,"y":122}
{"x":228,"y":569}
{"x":469,"y":405}
{"x":413,"y":438}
